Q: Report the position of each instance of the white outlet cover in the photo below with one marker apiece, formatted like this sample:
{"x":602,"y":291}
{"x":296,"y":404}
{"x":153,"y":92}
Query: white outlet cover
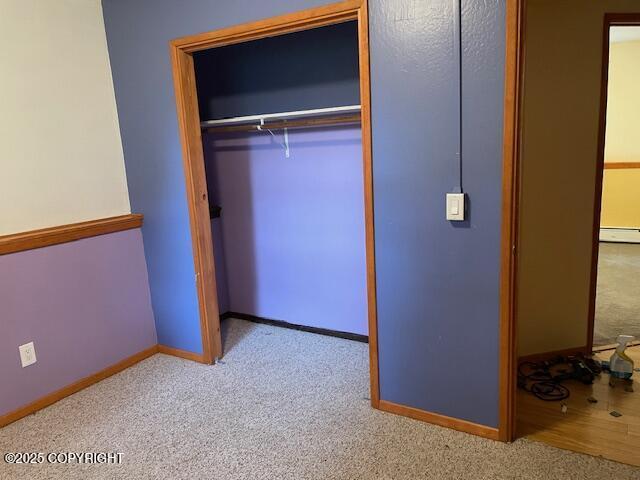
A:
{"x":27,"y":354}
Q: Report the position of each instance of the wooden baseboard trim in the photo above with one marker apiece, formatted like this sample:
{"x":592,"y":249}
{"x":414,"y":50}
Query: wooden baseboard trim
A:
{"x":76,"y":387}
{"x":441,"y":420}
{"x":567,"y":352}
{"x":47,"y":237}
{"x":176,"y":352}
{"x":294,"y":326}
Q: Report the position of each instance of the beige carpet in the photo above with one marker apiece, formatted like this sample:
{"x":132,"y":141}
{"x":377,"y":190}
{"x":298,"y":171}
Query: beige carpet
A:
{"x":284,"y":405}
{"x":618,"y":294}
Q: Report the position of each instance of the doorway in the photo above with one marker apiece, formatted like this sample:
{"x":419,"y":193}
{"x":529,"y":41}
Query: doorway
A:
{"x":182,"y":55}
{"x":617,"y":299}
{"x":560,"y":149}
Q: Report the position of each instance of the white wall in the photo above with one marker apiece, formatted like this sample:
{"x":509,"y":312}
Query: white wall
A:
{"x":61,"y":155}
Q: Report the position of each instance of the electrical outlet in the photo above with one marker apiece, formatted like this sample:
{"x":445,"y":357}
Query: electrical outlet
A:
{"x":27,"y":354}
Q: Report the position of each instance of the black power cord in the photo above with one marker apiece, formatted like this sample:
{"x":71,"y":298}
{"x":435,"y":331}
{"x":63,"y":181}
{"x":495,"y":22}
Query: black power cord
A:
{"x":537,"y":379}
{"x":544,"y":379}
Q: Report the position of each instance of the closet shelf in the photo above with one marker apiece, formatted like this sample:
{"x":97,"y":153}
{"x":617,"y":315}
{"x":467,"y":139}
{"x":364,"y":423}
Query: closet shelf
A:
{"x":318,"y":117}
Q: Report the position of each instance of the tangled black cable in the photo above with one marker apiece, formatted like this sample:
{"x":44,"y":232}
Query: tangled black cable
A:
{"x":536,"y":378}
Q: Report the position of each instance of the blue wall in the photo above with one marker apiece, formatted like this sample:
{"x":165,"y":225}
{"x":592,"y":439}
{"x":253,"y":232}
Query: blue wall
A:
{"x":438,"y":284}
{"x":278,"y":74}
{"x":438,"y":281}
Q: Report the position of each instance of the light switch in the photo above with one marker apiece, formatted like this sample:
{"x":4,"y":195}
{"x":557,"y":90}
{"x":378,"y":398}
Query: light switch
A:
{"x":455,"y":207}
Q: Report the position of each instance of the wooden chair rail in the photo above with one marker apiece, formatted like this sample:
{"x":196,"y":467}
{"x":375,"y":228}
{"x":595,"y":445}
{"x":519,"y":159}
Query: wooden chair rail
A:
{"x":46,"y":237}
{"x":621,"y":165}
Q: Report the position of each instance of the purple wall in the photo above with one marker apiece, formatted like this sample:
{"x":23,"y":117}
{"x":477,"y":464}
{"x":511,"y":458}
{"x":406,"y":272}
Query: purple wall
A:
{"x":293,"y":228}
{"x":84,"y":304}
{"x":221,"y":265}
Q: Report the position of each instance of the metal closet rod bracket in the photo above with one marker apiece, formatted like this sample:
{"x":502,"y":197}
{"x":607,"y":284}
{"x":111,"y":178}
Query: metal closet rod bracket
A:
{"x":284,"y":145}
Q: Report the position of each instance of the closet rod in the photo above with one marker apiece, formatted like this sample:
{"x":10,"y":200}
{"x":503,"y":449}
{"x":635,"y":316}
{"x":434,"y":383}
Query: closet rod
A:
{"x":257,"y":119}
{"x":291,"y":124}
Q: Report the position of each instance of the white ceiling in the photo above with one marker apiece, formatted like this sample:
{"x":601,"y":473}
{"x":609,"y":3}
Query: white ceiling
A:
{"x":624,"y":34}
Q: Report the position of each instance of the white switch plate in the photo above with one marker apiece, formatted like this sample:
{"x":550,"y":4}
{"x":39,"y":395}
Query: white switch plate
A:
{"x":27,"y":354}
{"x":455,"y":207}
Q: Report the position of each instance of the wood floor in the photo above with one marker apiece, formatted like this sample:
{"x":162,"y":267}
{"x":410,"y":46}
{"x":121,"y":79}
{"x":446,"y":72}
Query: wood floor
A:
{"x":588,"y":427}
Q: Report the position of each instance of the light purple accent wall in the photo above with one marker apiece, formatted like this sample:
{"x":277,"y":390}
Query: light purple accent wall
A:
{"x":293,"y":228}
{"x":221,"y":266}
{"x":84,"y":304}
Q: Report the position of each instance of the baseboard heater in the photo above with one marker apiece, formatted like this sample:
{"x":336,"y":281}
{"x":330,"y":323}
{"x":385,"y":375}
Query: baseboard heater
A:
{"x":293,"y":326}
{"x":620,"y":235}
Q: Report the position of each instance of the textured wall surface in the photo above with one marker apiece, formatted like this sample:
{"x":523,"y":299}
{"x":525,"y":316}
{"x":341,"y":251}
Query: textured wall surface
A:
{"x":60,"y":151}
{"x":437,"y":282}
{"x":84,"y":304}
{"x":292,"y":228}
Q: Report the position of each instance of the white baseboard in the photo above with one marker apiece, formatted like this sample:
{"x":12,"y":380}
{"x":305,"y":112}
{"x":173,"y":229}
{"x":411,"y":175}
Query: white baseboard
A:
{"x":620,"y":235}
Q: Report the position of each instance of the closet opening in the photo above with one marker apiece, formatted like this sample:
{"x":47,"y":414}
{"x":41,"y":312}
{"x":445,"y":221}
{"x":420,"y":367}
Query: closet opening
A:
{"x":280,"y":121}
{"x":275,"y":124}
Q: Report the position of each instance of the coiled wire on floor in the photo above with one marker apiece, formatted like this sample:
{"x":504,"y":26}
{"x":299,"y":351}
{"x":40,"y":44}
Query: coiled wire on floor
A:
{"x":537,"y":379}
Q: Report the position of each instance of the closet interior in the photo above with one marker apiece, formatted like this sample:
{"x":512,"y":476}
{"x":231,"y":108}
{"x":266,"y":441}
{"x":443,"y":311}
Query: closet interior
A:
{"x":281,"y":134}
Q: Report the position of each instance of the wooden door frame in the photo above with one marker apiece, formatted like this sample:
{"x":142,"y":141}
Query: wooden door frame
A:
{"x":182,"y":50}
{"x":514,"y":74}
{"x":610,"y":20}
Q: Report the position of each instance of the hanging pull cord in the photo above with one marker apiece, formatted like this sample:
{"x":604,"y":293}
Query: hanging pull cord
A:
{"x":284,"y":145}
